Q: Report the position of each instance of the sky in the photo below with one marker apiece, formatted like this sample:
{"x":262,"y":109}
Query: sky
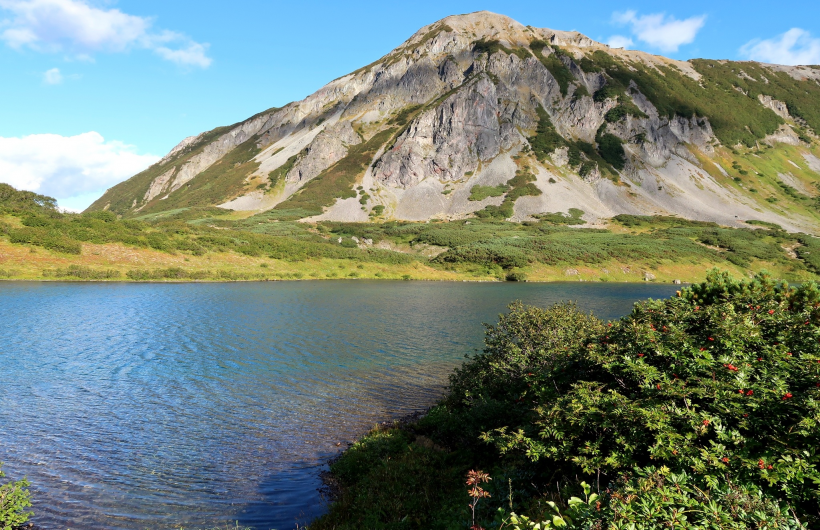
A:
{"x":94,"y":91}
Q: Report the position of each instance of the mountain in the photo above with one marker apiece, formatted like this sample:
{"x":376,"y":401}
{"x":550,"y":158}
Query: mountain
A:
{"x":479,"y":115}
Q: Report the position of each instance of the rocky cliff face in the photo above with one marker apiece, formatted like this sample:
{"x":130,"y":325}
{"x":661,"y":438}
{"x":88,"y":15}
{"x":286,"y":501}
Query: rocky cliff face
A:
{"x":481,"y":100}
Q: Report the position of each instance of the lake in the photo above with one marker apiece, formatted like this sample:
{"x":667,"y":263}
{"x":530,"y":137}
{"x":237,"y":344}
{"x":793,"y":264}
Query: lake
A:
{"x":131,"y":406}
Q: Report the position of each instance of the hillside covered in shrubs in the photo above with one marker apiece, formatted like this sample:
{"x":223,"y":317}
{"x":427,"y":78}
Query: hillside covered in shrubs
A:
{"x":700,"y":411}
{"x":39,"y":241}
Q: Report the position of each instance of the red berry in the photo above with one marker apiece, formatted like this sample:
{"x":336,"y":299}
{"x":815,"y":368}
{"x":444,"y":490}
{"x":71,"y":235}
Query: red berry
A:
{"x":710,"y":338}
{"x":771,"y":311}
{"x":706,"y":422}
{"x":788,"y":395}
{"x":725,"y":460}
{"x":750,"y":392}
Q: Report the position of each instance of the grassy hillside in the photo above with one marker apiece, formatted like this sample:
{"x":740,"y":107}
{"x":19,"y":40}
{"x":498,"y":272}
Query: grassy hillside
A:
{"x":213,"y":244}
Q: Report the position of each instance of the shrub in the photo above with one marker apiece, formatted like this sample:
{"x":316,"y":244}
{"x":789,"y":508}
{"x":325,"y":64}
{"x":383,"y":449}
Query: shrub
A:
{"x":479,"y":193}
{"x":14,"y":499}
{"x":82,"y":273}
{"x":722,"y":381}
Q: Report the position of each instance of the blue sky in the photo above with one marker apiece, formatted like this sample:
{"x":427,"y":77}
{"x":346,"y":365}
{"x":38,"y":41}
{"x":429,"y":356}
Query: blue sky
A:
{"x":95,"y":90}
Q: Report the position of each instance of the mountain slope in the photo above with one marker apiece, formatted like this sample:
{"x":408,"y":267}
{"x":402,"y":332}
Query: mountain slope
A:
{"x":479,"y":115}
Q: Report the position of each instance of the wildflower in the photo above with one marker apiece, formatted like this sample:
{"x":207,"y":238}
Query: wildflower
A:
{"x":788,"y":395}
{"x":771,"y":311}
{"x":640,"y":355}
{"x":741,"y":391}
{"x":761,"y":464}
{"x":725,"y":460}
{"x":750,"y":392}
{"x":659,"y":386}
{"x":769,"y":466}
{"x":760,"y":358}
{"x":710,"y":338}
{"x":789,"y":354}
{"x":706,"y":422}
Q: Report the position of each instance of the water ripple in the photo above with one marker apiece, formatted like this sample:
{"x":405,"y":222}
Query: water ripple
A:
{"x":137,"y":405}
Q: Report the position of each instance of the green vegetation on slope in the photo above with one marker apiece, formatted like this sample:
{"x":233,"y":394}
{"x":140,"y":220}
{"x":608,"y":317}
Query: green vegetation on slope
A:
{"x":698,"y":411}
{"x":221,"y":181}
{"x":120,"y":198}
{"x":485,"y":247}
{"x":492,"y":46}
{"x":13,"y":201}
{"x":336,"y":182}
{"x":554,"y":64}
{"x":726,"y":94}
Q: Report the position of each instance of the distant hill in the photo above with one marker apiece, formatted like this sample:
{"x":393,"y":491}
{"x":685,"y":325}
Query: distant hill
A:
{"x":480,"y":115}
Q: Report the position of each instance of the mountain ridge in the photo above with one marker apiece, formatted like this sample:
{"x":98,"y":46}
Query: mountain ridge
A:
{"x":553,"y":120}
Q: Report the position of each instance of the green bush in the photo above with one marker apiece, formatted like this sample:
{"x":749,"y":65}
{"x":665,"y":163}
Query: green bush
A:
{"x":14,"y":499}
{"x":546,"y":139}
{"x":552,"y":62}
{"x":699,"y":411}
{"x":722,"y":381}
{"x":83,"y":273}
{"x":479,"y":193}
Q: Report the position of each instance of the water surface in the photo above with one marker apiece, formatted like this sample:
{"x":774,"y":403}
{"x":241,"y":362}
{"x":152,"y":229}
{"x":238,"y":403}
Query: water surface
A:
{"x":159,"y":405}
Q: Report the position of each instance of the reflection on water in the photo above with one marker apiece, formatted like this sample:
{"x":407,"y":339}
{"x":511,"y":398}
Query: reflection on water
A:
{"x":160,"y":405}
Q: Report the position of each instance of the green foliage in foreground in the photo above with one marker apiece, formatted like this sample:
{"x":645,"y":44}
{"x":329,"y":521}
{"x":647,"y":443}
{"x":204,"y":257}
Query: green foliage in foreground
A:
{"x":14,"y":499}
{"x":697,"y":412}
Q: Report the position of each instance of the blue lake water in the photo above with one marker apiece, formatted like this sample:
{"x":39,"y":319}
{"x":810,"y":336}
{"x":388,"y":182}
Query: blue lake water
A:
{"x":165,"y":405}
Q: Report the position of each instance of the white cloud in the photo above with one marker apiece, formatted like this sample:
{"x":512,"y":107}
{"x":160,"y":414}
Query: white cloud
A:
{"x":619,"y":41}
{"x":193,"y":55}
{"x":68,"y":167}
{"x":661,"y":31}
{"x":796,"y":46}
{"x":53,"y":77}
{"x":75,"y":27}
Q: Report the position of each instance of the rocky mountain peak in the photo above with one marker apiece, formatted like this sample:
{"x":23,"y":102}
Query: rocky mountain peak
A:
{"x":479,"y":115}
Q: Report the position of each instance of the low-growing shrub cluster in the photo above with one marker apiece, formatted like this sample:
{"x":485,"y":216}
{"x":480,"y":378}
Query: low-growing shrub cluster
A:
{"x":698,"y":411}
{"x":82,"y":273}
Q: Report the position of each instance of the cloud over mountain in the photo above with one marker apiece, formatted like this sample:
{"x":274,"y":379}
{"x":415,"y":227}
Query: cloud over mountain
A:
{"x":796,"y":46}
{"x":658,"y":30}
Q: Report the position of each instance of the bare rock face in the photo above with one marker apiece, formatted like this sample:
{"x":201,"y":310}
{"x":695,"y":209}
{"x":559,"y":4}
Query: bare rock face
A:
{"x":448,"y":141}
{"x":329,"y":146}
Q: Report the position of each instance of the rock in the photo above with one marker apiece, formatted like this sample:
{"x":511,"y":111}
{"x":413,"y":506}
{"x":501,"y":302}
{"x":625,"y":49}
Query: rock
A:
{"x":676,"y":282}
{"x":571,"y":272}
{"x":648,"y":276}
